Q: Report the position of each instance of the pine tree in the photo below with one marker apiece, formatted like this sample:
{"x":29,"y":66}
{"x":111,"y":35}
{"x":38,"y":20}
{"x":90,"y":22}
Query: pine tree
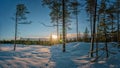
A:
{"x":21,"y":11}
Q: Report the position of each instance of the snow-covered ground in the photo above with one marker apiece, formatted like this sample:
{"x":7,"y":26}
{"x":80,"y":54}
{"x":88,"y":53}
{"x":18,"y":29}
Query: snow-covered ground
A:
{"x":36,"y":56}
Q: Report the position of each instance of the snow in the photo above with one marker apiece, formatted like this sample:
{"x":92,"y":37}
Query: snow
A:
{"x":37,"y":56}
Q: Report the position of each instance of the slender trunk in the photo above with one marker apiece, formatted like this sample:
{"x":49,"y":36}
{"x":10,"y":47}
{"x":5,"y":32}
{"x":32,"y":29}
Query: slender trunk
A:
{"x":0,"y":46}
{"x":106,"y":46}
{"x":91,"y":20}
{"x":16,"y":24}
{"x":94,"y":30}
{"x":91,"y":27}
{"x":112,"y":33}
{"x":118,"y":31}
{"x":64,"y":28}
{"x":97,"y":38}
{"x":118,"y":22}
{"x":77,"y":24}
{"x":57,"y":21}
{"x":57,"y":30}
{"x":96,"y":44}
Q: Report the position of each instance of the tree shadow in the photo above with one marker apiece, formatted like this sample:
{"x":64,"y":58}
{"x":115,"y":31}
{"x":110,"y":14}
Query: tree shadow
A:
{"x":61,"y":59}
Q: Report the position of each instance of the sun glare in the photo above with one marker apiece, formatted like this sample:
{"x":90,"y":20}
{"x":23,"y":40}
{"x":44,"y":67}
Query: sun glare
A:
{"x":54,"y":36}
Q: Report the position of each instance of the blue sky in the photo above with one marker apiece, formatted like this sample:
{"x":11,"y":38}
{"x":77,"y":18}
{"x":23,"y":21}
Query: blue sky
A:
{"x":38,"y":14}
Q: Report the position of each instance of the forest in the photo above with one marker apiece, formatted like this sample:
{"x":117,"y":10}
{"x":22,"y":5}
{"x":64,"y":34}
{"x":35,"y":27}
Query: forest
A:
{"x":103,"y":33}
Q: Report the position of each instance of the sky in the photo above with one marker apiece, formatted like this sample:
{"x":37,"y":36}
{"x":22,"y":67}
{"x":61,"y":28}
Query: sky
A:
{"x":38,"y":14}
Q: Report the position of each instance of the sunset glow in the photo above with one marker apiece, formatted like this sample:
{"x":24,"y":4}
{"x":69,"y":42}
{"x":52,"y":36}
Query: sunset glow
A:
{"x":54,"y":37}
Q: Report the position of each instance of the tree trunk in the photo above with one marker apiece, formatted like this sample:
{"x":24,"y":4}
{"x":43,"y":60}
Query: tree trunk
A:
{"x":77,"y":24}
{"x":112,"y":33}
{"x":16,"y":24}
{"x":97,"y":38}
{"x":57,"y":30}
{"x":118,"y":22}
{"x":91,"y":27}
{"x":94,"y":30}
{"x":106,"y":46}
{"x":64,"y":28}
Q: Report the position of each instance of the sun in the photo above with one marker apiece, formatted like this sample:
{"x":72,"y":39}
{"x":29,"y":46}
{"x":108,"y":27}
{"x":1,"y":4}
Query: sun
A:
{"x":54,"y":36}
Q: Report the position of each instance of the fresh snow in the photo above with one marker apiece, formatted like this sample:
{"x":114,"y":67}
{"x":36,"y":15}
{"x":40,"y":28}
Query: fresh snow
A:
{"x":76,"y":56}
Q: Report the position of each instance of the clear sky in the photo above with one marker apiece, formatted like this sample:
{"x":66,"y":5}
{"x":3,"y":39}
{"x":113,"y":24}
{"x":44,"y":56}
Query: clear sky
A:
{"x":38,"y":14}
